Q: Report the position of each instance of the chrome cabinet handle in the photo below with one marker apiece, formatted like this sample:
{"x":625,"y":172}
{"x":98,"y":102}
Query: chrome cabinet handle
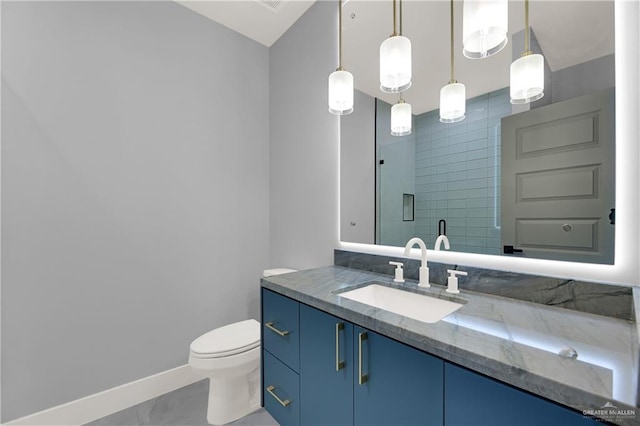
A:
{"x":271,"y":390}
{"x":339,"y":364}
{"x":362,"y":378}
{"x":270,"y":326}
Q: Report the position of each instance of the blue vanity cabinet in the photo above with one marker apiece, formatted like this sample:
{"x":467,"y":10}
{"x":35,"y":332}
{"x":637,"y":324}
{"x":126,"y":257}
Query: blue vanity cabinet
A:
{"x":280,"y":357}
{"x":326,"y":369}
{"x":395,"y":384}
{"x":476,"y":400}
{"x":321,"y":370}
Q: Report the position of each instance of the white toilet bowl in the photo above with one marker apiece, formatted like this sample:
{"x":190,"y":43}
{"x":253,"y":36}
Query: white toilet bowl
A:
{"x":230,"y":357}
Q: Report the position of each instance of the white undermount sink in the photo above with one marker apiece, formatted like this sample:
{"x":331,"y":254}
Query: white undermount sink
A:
{"x":413,"y":305}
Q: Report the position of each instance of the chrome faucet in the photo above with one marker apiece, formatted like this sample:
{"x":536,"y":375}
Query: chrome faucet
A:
{"x":442,"y":239}
{"x":424,"y":270}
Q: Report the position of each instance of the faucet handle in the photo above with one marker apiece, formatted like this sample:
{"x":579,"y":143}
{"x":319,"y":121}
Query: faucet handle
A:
{"x":399,"y":274}
{"x":454,"y":272}
{"x":452,"y":281}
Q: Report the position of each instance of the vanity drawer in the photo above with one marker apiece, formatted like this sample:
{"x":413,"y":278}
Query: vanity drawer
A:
{"x":281,"y":391}
{"x":280,"y":328}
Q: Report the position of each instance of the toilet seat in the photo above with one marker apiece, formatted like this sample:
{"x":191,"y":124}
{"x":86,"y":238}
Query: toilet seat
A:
{"x":228,"y":340}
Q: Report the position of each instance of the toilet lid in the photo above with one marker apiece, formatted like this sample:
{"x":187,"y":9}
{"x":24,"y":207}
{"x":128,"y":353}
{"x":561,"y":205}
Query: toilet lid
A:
{"x":228,"y":340}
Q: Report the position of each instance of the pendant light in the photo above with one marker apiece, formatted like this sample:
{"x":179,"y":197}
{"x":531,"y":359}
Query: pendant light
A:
{"x":527,"y":72}
{"x":484,"y":27}
{"x":395,"y":59}
{"x":453,"y":95}
{"x":401,"y":118}
{"x":340,"y":81}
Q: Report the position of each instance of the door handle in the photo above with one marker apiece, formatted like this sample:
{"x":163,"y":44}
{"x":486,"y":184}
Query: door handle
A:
{"x":271,"y":390}
{"x":270,"y":326}
{"x":511,"y":250}
{"x":362,"y":378}
{"x":339,"y":364}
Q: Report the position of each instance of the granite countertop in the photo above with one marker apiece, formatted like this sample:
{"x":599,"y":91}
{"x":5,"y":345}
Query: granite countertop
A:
{"x":513,"y":341}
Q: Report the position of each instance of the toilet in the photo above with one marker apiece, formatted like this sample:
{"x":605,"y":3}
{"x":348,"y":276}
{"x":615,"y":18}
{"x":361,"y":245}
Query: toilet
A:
{"x":230,"y":357}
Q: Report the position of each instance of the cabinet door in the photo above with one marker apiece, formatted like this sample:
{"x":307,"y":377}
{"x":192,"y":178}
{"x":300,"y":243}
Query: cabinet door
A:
{"x":326,"y":369}
{"x":281,"y":391}
{"x":475,"y":400}
{"x":394,"y":383}
{"x":280,"y":327}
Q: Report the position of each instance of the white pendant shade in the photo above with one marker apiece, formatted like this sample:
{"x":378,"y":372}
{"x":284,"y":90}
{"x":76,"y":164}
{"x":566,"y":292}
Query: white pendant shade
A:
{"x":401,"y":119}
{"x":527,"y":79}
{"x":395,"y":64}
{"x":341,"y":92}
{"x":452,"y":103}
{"x":484,"y":27}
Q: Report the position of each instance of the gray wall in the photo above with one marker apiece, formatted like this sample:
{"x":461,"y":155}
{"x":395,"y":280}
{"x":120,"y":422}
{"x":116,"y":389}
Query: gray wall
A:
{"x":304,"y":153}
{"x":357,"y":171}
{"x":133,"y":190}
{"x":588,"y":77}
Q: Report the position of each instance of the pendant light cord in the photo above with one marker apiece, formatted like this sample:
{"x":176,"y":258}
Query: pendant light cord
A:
{"x":340,"y":36}
{"x":395,"y":32}
{"x":452,"y":80}
{"x":527,"y":51}
{"x":401,"y":101}
{"x":400,"y":17}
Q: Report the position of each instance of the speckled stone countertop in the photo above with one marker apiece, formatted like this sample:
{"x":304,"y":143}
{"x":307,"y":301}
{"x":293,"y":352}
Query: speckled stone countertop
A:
{"x":513,"y":341}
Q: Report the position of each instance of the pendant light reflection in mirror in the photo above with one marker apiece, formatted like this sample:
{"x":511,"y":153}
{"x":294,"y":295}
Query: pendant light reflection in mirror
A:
{"x":453,"y":95}
{"x":401,"y":113}
{"x":484,"y":27}
{"x":340,"y":81}
{"x":401,"y":118}
{"x":527,"y":72}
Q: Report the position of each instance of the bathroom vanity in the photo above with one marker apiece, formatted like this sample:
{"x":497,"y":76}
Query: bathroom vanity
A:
{"x":331,"y":360}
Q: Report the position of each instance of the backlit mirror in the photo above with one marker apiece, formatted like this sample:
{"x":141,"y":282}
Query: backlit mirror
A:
{"x":531,"y":181}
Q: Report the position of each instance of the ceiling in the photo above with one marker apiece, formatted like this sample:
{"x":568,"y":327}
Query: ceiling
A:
{"x":261,"y":20}
{"x":569,"y":32}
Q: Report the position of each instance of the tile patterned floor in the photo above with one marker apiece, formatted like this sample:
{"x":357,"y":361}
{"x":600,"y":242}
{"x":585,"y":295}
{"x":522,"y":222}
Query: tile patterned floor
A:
{"x":186,"y":406}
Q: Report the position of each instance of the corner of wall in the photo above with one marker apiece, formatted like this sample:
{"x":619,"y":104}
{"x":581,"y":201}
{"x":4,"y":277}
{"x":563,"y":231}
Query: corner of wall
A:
{"x":304,"y":143}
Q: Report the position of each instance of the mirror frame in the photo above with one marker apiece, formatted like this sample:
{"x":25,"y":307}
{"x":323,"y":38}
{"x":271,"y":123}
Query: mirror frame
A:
{"x":625,"y":269}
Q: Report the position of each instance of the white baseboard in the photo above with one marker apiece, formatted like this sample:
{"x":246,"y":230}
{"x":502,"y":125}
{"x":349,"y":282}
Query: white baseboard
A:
{"x":98,"y":405}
